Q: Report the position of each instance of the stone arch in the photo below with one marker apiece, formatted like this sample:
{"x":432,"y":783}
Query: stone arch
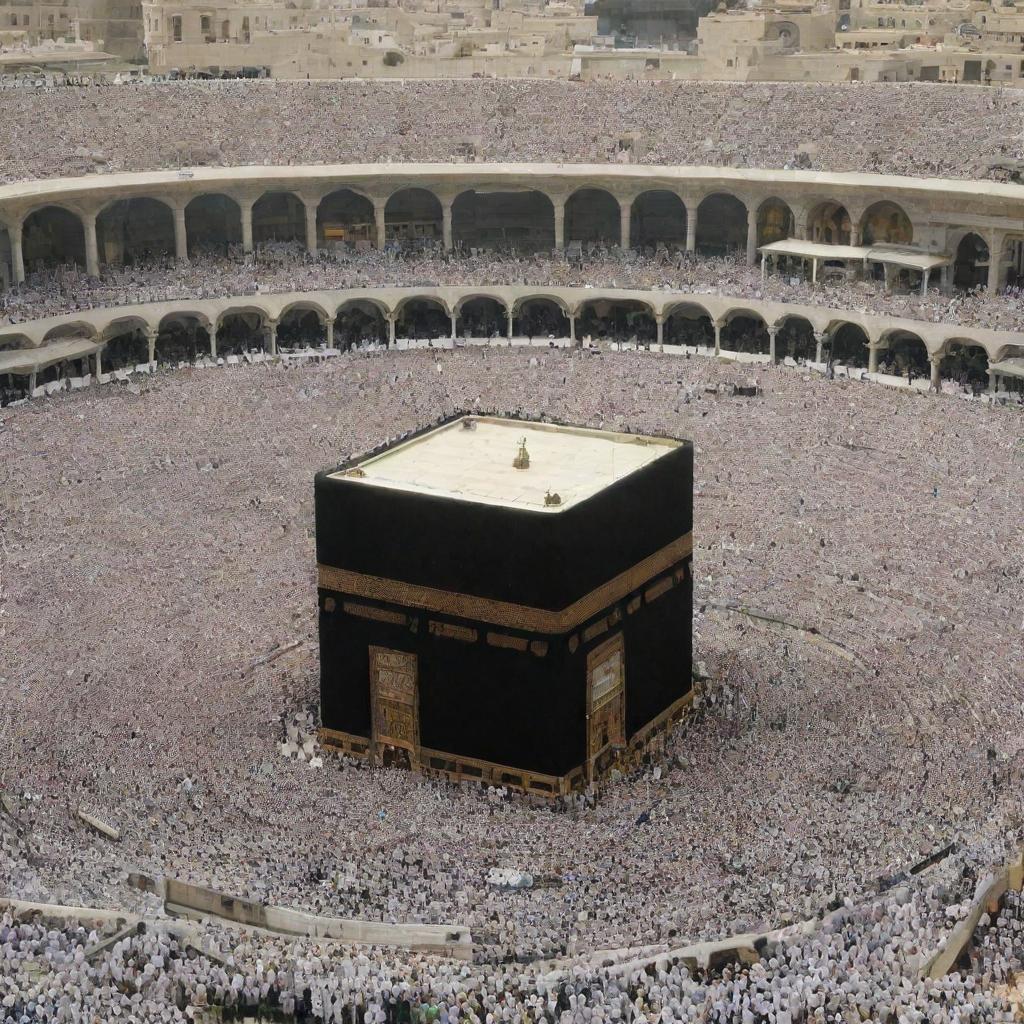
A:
{"x":687,"y":323}
{"x":241,"y":330}
{"x":744,"y":330}
{"x":721,"y":224}
{"x":68,"y":331}
{"x":520,"y":220}
{"x":795,"y":338}
{"x":126,"y":344}
{"x":775,"y":221}
{"x":343,"y":217}
{"x":541,"y":316}
{"x":886,"y":223}
{"x":592,"y":215}
{"x":15,"y":342}
{"x":970,"y":265}
{"x":829,"y":223}
{"x":278,"y":217}
{"x":481,"y":316}
{"x":57,"y":365}
{"x":182,"y":336}
{"x":422,"y":317}
{"x":53,"y":235}
{"x":302,"y":325}
{"x":965,"y":361}
{"x":905,"y":354}
{"x":617,"y":320}
{"x":413,"y":217}
{"x":360,"y":322}
{"x":848,"y":345}
{"x":128,"y":230}
{"x":657,"y":217}
{"x":787,"y":33}
{"x":305,"y":306}
{"x":213,"y":221}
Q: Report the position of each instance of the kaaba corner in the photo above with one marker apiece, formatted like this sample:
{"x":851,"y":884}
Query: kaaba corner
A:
{"x":506,"y":600}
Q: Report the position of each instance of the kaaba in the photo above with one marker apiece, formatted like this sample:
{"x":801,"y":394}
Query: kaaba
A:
{"x":506,"y":600}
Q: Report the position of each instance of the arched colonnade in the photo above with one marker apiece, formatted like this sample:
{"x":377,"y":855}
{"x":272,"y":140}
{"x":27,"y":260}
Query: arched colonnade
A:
{"x":184,"y":331}
{"x":109,"y":224}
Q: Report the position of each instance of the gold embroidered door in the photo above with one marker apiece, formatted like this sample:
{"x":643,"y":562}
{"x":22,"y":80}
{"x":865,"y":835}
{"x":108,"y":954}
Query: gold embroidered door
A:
{"x":394,"y":702}
{"x":606,"y":700}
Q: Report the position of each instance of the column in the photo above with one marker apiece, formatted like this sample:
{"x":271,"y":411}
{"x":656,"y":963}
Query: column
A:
{"x":180,"y":234}
{"x":310,"y":209}
{"x":245,"y":206}
{"x":764,"y":268}
{"x":993,"y":384}
{"x":272,"y":337}
{"x":391,"y":330}
{"x":873,"y":358}
{"x":98,"y":361}
{"x":510,"y":325}
{"x":936,"y":380}
{"x":31,"y":383}
{"x":751,"y":237}
{"x":660,"y":322}
{"x":17,"y":254}
{"x":572,"y":328}
{"x":625,"y":215}
{"x":995,"y":261}
{"x":213,"y":340}
{"x":379,"y":206}
{"x":718,"y":337}
{"x":854,"y":233}
{"x":329,"y":332}
{"x":151,"y":335}
{"x":446,"y":227}
{"x":455,"y":320}
{"x":691,"y":227}
{"x":924,"y":282}
{"x":559,"y":205}
{"x":819,"y":338}
{"x":773,"y":332}
{"x":92,"y":249}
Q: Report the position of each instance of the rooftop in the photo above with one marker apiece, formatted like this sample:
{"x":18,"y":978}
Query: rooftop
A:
{"x":471,"y":458}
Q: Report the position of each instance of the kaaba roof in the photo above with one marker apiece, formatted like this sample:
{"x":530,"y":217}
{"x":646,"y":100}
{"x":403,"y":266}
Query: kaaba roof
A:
{"x":472,"y":459}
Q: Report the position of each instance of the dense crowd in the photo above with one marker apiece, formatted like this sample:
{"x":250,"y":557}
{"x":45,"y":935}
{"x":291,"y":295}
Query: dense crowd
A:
{"x":286,"y":267}
{"x":160,"y":621}
{"x":885,"y":127}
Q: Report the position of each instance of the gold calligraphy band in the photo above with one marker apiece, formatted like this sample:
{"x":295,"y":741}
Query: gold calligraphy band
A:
{"x":506,"y":613}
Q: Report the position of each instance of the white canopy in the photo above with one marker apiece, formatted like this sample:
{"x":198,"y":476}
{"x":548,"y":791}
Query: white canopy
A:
{"x":915,"y":259}
{"x":31,"y":360}
{"x":1009,"y":367}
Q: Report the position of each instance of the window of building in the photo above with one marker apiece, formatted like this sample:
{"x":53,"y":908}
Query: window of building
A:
{"x":204,"y":23}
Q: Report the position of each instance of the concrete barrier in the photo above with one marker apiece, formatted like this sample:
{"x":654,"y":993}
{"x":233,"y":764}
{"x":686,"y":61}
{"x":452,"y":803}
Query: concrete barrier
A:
{"x":195,"y":902}
{"x":987,"y":894}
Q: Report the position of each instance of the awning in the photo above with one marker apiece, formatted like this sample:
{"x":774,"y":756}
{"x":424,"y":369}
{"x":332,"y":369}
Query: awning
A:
{"x":1008,"y":367}
{"x":813,"y":250}
{"x":915,"y":259}
{"x":31,"y":360}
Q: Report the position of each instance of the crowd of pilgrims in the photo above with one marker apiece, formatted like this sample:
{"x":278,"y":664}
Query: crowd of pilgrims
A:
{"x":818,"y":770}
{"x":882,"y":127}
{"x":287,"y":267}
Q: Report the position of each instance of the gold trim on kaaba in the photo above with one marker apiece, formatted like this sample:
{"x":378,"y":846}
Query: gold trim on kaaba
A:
{"x":368,"y":611}
{"x":453,"y":632}
{"x":506,"y":613}
{"x":512,"y":643}
{"x":661,"y":587}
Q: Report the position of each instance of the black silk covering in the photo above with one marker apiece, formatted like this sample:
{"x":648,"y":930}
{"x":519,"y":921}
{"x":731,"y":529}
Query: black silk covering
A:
{"x":522,"y":708}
